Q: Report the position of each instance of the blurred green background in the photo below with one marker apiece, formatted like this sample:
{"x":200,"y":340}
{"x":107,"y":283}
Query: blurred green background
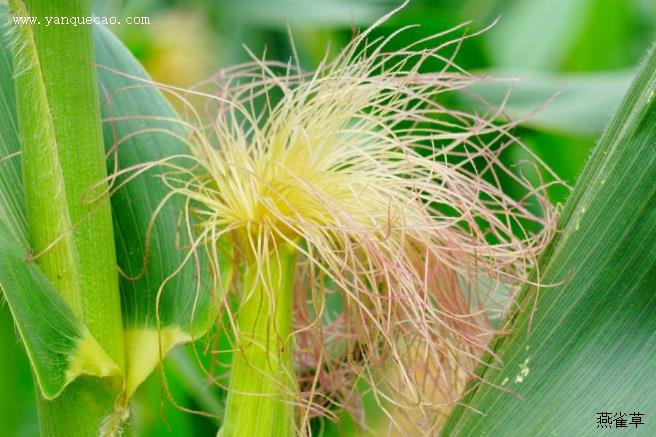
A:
{"x":567,"y":64}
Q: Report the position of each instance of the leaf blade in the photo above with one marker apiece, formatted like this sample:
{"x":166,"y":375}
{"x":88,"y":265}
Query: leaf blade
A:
{"x":165,"y":298}
{"x":58,"y":343}
{"x":592,"y":343}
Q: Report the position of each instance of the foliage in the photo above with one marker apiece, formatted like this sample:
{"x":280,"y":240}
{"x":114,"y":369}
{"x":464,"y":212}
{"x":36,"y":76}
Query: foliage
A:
{"x":591,"y":59}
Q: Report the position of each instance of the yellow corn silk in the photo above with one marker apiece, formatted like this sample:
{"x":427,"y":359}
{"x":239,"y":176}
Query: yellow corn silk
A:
{"x":389,"y":200}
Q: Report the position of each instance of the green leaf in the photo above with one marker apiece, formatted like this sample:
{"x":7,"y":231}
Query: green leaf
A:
{"x":17,"y":411}
{"x":59,"y":346}
{"x":63,"y":163}
{"x":181,"y":300}
{"x":279,"y":13}
{"x":147,"y":129}
{"x":537,"y":34}
{"x":589,"y":343}
{"x":573,"y":103}
{"x":12,"y":200}
{"x":609,"y":39}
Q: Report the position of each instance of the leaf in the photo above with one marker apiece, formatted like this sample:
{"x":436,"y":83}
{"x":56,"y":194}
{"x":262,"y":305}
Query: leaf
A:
{"x":182,"y":300}
{"x":609,"y":38}
{"x":62,"y":159}
{"x":45,"y":187}
{"x":148,"y":130}
{"x":279,"y":13}
{"x":537,"y":34}
{"x":591,"y":346}
{"x":58,"y":345}
{"x":17,"y":411}
{"x":575,"y":103}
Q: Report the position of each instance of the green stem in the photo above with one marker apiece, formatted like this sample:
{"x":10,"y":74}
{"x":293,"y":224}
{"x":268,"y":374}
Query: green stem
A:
{"x":63,"y":159}
{"x":259,"y":398}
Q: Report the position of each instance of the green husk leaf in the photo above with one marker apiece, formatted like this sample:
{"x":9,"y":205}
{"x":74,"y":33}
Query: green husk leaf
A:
{"x":49,"y":217}
{"x":156,"y":319}
{"x":261,"y":374}
{"x":59,"y":346}
{"x":183,"y":304}
{"x":63,"y":163}
{"x":588,"y":344}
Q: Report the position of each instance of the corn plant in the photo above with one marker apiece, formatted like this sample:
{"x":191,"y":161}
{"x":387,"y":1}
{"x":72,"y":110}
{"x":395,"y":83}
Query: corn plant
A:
{"x":342,"y":231}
